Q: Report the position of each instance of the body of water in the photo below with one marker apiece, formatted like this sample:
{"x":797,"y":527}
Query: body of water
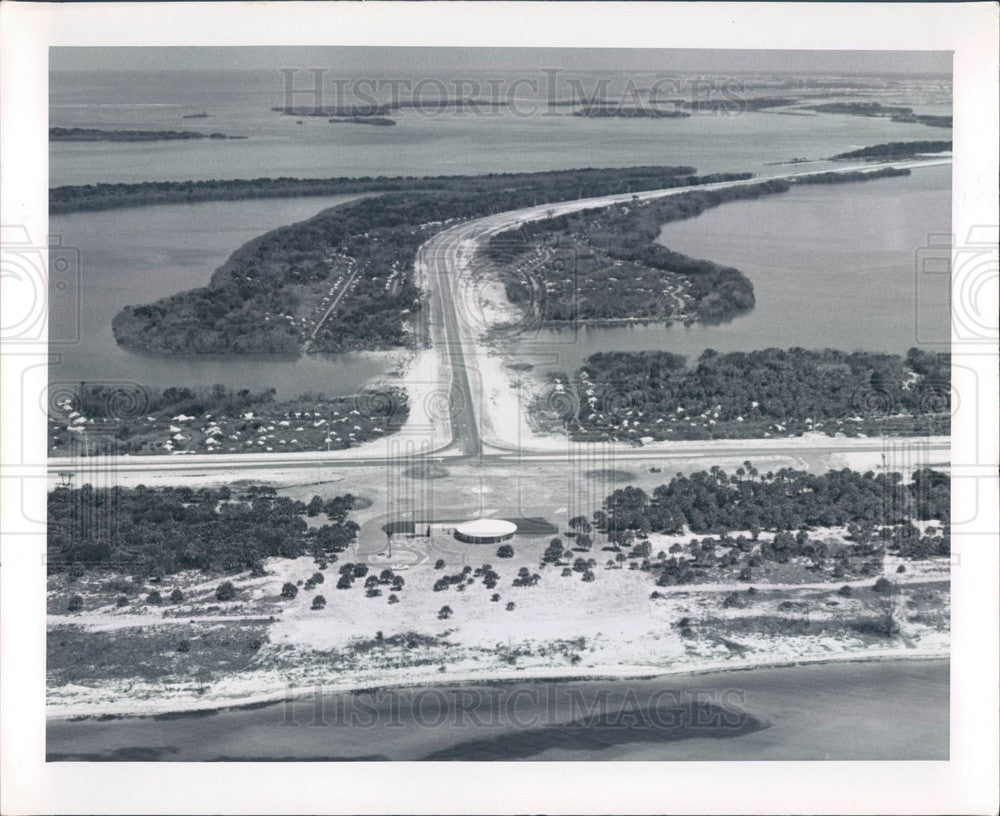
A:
{"x":833,"y":266}
{"x":134,"y":256}
{"x":531,"y":137}
{"x":894,"y":710}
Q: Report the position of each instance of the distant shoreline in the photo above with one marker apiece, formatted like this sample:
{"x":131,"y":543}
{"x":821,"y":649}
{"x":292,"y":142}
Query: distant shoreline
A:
{"x":381,"y":121}
{"x":113,"y":196}
{"x":62,"y":134}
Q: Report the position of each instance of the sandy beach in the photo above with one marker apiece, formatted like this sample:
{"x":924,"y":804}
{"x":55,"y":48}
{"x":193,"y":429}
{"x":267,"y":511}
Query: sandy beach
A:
{"x":561,"y":628}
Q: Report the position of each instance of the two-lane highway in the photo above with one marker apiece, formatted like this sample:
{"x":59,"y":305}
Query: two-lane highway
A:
{"x":439,"y":259}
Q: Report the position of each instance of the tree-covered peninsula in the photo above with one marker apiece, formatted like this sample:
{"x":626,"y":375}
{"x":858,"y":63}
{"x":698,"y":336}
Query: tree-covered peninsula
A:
{"x":269,"y":297}
{"x":606,"y":264}
{"x":547,"y":186}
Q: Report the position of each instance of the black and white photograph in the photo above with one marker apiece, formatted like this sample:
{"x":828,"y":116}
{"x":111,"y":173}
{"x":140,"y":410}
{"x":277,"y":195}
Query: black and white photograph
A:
{"x":389,"y":399}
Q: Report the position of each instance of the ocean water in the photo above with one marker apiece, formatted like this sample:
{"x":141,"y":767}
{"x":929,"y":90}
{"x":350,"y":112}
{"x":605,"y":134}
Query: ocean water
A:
{"x":424,"y":142}
{"x":896,"y":710}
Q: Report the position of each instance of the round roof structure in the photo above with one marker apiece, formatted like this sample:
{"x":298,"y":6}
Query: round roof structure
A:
{"x":486,"y":528}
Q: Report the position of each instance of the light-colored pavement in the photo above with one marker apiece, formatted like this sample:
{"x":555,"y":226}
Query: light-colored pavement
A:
{"x":934,"y":450}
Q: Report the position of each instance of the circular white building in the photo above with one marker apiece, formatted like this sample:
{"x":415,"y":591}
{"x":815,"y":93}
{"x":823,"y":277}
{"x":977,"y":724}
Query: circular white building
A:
{"x":485,"y":531}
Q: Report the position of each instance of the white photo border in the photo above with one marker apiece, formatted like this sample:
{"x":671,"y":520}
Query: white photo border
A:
{"x":967,"y":783}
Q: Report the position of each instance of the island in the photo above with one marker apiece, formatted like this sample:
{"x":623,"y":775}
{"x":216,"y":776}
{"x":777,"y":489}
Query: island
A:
{"x":344,"y":279}
{"x":735,"y":103}
{"x":62,"y":134}
{"x":619,"y":273}
{"x":381,"y":121}
{"x":629,"y":112}
{"x":92,"y":197}
{"x":896,"y":150}
{"x":897,"y":113}
{"x":341,"y":111}
{"x":382,"y":108}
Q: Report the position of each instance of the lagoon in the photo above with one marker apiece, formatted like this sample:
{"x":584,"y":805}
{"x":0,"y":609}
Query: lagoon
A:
{"x":135,"y":256}
{"x":833,"y":266}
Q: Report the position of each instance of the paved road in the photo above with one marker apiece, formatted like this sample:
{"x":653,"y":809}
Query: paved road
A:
{"x":353,"y":276}
{"x":935,"y":450}
{"x":439,"y":259}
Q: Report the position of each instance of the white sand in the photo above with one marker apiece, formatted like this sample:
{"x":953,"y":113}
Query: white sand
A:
{"x":625,"y":633}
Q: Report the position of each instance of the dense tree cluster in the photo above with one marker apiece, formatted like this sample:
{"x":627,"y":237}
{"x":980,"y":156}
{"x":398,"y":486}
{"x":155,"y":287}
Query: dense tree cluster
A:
{"x":158,"y":531}
{"x":628,"y":233}
{"x":526,"y":578}
{"x":103,"y":401}
{"x":877,"y":512}
{"x":834,"y":177}
{"x":567,"y":281}
{"x":715,"y":502}
{"x":251,"y":304}
{"x":460,"y":580}
{"x":896,"y":150}
{"x":551,"y":186}
{"x":140,"y":420}
{"x":735,"y":103}
{"x":636,"y":395}
{"x":897,"y":113}
{"x":861,"y":108}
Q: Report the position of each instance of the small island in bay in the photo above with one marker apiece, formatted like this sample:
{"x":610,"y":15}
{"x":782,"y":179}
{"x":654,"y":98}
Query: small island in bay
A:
{"x":735,"y":104}
{"x":630,"y":113}
{"x":339,"y":111}
{"x":62,"y":134}
{"x":896,"y":150}
{"x":897,"y":113}
{"x":381,"y":121}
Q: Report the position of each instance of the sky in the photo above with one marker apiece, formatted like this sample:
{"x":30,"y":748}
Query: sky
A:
{"x":451,"y":59}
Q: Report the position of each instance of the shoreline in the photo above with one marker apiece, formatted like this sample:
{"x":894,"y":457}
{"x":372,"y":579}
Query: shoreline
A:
{"x":533,"y":675}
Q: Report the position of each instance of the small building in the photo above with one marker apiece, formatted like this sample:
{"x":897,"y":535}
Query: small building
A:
{"x":485,"y":531}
